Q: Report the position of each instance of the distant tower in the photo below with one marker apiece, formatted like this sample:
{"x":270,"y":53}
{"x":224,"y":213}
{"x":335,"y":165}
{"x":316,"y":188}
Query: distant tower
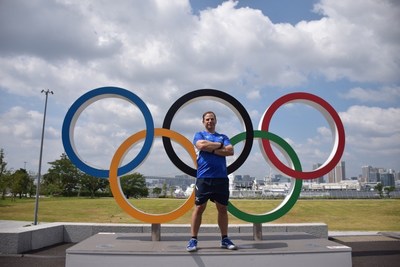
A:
{"x":338,"y":173}
{"x":319,"y":179}
{"x":343,"y":164}
{"x":365,"y":173}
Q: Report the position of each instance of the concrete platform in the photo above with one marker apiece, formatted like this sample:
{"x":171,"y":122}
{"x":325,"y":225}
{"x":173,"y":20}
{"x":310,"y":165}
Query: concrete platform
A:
{"x":276,"y":249}
{"x":19,"y":237}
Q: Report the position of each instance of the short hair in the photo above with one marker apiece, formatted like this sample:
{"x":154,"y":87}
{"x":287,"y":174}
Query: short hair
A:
{"x":209,"y":112}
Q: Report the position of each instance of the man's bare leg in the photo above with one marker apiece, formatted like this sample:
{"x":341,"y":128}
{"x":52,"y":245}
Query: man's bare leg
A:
{"x":197,"y":216}
{"x":222,"y":218}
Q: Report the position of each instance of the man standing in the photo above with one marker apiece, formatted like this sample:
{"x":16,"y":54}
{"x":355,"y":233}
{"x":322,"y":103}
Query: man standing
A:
{"x":212,"y":181}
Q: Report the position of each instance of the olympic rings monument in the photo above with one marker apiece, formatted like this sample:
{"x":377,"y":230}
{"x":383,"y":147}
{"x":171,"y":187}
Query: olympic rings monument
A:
{"x":281,"y":248}
{"x":142,"y":245}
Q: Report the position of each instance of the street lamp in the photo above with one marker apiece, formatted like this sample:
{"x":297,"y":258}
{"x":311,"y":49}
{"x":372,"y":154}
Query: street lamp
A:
{"x":40,"y":156}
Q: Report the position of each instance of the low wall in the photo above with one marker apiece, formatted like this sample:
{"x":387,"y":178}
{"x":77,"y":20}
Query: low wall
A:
{"x":22,"y":239}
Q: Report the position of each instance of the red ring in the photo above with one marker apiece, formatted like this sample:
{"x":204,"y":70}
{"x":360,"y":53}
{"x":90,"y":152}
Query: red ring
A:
{"x":336,"y":125}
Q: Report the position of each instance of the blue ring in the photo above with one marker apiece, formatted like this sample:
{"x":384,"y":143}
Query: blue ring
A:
{"x":72,"y":115}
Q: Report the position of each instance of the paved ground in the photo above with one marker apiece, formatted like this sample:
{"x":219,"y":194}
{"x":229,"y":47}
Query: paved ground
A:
{"x":368,"y":249}
{"x":373,"y":250}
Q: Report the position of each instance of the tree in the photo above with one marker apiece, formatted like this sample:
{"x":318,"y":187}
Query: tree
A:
{"x":172,"y":190}
{"x":62,"y":178}
{"x":157,"y":191}
{"x":5,"y":176}
{"x":3,"y":164}
{"x":5,"y":183}
{"x":164,"y":189}
{"x":32,"y":186}
{"x":379,"y":188}
{"x":134,"y":185}
{"x":388,"y":190}
{"x":21,"y":183}
{"x":93,"y":184}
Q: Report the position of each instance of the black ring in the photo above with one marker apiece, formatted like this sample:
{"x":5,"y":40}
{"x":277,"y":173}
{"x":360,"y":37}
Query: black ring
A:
{"x":213,"y":93}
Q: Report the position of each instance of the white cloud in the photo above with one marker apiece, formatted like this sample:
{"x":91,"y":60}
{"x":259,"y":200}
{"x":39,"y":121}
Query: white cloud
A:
{"x":325,"y":132}
{"x":372,"y":135}
{"x":219,"y":46}
{"x":20,"y":131}
{"x":357,"y":40}
{"x":161,"y":51}
{"x":22,"y":123}
{"x":51,"y":30}
{"x":387,"y":94}
{"x":372,"y":120}
{"x":255,"y":94}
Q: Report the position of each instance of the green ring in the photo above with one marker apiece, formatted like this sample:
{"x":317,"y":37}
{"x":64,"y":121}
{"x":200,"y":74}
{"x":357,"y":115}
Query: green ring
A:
{"x":289,"y":200}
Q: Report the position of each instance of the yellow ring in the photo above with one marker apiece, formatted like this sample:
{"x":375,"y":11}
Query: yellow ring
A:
{"x":116,"y":187}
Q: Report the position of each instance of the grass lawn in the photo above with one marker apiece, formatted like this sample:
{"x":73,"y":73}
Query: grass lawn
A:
{"x":339,"y":215}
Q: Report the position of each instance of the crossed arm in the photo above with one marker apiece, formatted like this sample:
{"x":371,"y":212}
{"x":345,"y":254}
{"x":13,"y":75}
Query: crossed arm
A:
{"x":215,"y":148}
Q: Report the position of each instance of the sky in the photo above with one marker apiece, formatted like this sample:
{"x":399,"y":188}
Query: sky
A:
{"x":345,"y":52}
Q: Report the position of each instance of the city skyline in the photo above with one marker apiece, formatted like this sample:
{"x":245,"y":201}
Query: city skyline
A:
{"x":360,"y":176}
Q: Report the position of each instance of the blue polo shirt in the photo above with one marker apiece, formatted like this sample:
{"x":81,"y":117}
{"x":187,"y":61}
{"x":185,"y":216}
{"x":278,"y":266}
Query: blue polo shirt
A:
{"x":210,"y":165}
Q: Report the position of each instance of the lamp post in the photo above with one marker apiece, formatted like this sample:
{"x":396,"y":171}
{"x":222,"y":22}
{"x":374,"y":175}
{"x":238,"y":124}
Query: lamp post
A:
{"x":40,"y":156}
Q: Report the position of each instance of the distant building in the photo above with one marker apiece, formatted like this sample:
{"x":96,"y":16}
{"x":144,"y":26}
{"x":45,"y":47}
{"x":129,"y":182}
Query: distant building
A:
{"x":343,"y":170}
{"x":338,"y":173}
{"x":387,"y":179}
{"x":319,"y":179}
{"x":365,"y":173}
{"x":370,"y":174}
{"x":379,"y":175}
{"x":182,"y":181}
{"x":243,"y":181}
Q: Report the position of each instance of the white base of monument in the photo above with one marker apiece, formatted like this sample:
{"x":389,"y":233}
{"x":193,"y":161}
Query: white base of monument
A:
{"x":276,"y":249}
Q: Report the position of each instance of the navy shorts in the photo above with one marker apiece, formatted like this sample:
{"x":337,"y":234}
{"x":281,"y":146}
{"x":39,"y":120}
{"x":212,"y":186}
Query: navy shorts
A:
{"x":214,"y":189}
